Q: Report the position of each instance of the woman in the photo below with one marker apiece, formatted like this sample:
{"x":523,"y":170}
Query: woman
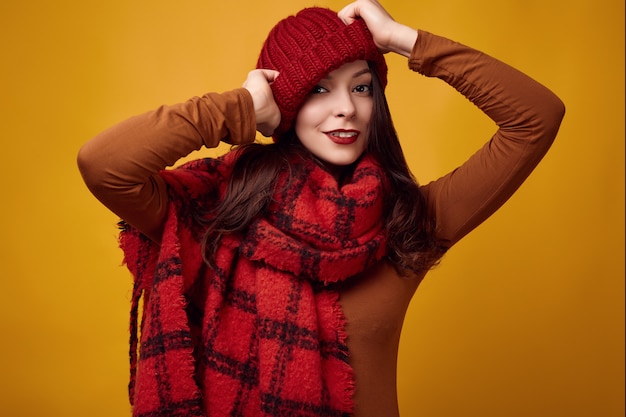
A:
{"x":276,"y":278}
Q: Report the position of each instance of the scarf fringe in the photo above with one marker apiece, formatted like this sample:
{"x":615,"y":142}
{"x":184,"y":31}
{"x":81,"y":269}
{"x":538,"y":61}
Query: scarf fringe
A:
{"x":347,"y":377}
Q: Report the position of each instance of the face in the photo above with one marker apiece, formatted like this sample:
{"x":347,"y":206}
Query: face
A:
{"x":334,"y":120}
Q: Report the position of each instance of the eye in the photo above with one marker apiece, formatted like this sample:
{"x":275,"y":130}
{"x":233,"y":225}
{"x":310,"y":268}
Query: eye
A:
{"x":365,"y":89}
{"x":318,"y":89}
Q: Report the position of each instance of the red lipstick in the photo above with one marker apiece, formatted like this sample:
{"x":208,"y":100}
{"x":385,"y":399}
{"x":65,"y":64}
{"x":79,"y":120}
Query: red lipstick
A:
{"x":343,"y":136}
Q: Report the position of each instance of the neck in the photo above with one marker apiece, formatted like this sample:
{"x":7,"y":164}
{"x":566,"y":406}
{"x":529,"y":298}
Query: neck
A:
{"x":341,"y":173}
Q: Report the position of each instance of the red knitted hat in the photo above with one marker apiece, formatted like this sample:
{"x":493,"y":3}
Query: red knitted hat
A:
{"x":304,"y":48}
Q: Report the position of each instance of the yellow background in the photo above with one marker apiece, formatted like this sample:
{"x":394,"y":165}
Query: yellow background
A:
{"x":523,"y":318}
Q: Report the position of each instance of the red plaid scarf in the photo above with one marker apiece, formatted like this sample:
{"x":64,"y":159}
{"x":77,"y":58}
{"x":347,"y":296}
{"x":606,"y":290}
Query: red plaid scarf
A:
{"x":262,"y":334}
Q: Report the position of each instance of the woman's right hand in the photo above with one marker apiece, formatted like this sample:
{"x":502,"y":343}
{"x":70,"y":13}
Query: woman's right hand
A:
{"x":265,"y":108}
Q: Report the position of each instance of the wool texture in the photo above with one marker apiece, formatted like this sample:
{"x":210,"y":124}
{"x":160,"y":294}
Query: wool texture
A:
{"x":261,"y":333}
{"x":304,"y":48}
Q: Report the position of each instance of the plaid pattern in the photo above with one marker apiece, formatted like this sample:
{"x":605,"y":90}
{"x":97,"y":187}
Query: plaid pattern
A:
{"x":262,"y":334}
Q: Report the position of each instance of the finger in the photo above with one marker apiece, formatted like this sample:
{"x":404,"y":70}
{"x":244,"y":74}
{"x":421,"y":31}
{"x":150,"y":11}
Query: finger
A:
{"x":348,"y":14}
{"x":270,"y":75}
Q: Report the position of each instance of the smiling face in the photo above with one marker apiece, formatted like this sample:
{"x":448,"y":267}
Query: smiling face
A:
{"x":334,"y":120}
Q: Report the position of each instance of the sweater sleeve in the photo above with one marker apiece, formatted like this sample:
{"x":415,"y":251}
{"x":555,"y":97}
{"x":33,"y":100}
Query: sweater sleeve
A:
{"x":527,"y":114}
{"x":121,"y":165}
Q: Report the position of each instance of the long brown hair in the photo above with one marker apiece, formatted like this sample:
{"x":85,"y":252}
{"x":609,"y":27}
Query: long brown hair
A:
{"x":411,"y":240}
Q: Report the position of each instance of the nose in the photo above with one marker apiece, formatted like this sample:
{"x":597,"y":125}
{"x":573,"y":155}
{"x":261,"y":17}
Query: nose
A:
{"x":344,"y":105}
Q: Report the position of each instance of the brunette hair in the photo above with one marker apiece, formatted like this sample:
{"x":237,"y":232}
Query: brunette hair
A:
{"x":411,"y":239}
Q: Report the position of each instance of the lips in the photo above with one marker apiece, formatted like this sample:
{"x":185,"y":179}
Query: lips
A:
{"x":343,"y":137}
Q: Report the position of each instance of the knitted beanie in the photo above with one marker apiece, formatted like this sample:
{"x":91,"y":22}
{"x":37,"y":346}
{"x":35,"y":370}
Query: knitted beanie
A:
{"x":304,"y":48}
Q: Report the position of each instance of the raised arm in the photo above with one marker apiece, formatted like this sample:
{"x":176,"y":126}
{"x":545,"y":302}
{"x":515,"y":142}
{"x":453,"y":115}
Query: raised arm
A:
{"x":120,"y":166}
{"x":527,"y":114}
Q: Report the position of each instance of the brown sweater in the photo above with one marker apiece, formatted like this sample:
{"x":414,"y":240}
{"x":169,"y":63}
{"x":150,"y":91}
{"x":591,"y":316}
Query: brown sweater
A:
{"x":120,"y":166}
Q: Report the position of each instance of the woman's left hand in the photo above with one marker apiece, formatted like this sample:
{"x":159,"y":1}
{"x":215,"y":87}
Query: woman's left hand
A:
{"x":388,"y":35}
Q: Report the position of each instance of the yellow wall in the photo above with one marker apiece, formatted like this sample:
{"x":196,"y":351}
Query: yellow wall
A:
{"x":523,"y":318}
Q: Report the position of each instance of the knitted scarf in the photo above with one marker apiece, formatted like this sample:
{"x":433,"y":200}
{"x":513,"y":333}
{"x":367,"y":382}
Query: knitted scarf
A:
{"x":262,"y":332}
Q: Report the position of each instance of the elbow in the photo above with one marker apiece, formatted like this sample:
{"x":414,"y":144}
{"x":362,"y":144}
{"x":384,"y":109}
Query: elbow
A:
{"x":547,"y":120}
{"x":92,"y":168}
{"x":553,"y":115}
{"x":558,"y":112}
{"x":85,"y":164}
{"x":561,"y":107}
